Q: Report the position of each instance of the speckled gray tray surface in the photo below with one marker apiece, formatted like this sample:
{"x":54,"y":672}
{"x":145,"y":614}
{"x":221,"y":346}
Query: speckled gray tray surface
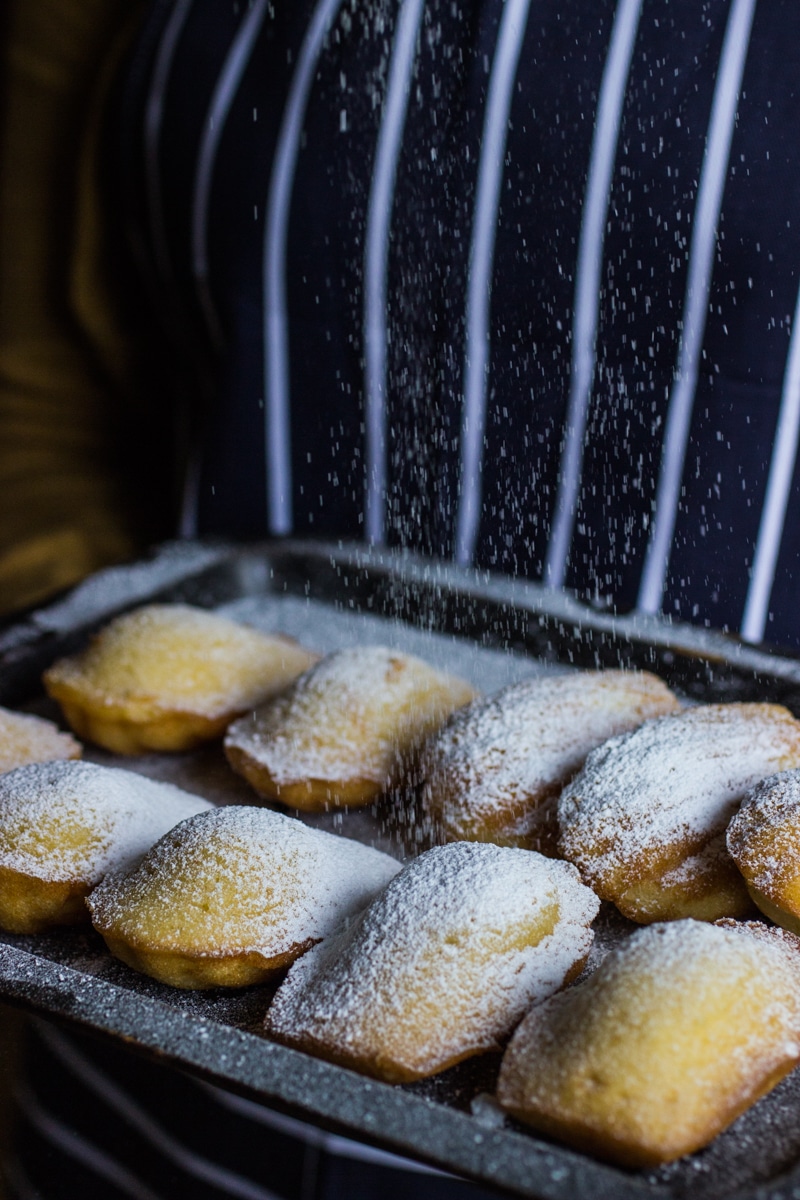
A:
{"x":493,"y":631}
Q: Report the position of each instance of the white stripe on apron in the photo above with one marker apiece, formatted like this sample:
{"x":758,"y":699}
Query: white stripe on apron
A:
{"x":587,"y":282}
{"x":167,"y":295}
{"x":695,"y":308}
{"x":779,"y":488}
{"x":276,"y":333}
{"x":342,"y":1147}
{"x":479,"y":284}
{"x":153,"y":115}
{"x":379,"y":217}
{"x":75,"y":1147}
{"x":139,"y":1119}
{"x":222,"y":99}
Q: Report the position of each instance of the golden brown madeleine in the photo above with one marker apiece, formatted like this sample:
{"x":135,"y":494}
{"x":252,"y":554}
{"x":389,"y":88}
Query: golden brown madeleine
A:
{"x":676,"y":1033}
{"x":63,"y":825}
{"x":442,"y":965}
{"x":494,"y":771}
{"x":168,"y":676}
{"x":645,"y":818}
{"x":26,"y":739}
{"x":764,"y":842}
{"x":346,"y":730}
{"x":234,"y":895}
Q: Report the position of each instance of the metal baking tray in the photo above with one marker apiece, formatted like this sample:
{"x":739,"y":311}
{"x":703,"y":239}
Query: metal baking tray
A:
{"x":494,"y":630}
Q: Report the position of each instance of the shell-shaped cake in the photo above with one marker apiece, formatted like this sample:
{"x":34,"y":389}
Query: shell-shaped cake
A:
{"x":675,"y":1034}
{"x":645,"y":819}
{"x":442,"y":965}
{"x":26,"y":739}
{"x":346,"y":730}
{"x":64,"y":825}
{"x":764,"y":842}
{"x":169,"y":676}
{"x":494,"y":771}
{"x":232,"y":896}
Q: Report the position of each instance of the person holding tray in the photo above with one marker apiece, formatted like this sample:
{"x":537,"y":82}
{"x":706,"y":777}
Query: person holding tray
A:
{"x":509,"y":284}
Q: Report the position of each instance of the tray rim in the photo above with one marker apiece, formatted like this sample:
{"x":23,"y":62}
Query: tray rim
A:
{"x":173,"y":565}
{"x":445,"y":1137}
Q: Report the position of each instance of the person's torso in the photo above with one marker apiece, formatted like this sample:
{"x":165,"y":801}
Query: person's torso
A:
{"x":464,"y":265}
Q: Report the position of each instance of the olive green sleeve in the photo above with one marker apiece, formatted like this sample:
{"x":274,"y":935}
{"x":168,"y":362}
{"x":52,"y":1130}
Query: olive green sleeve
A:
{"x":67,"y":396}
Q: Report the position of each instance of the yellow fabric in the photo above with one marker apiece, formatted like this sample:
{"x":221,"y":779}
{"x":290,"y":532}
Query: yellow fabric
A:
{"x":65,"y":369}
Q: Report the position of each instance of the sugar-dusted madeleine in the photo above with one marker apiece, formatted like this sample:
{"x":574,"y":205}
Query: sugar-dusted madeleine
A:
{"x":168,"y":677}
{"x":677,"y":1032}
{"x":233,"y":896}
{"x":346,"y":730}
{"x":764,"y":842}
{"x":27,"y":739}
{"x":63,"y":825}
{"x":494,"y":771}
{"x":442,"y":965}
{"x":645,"y":819}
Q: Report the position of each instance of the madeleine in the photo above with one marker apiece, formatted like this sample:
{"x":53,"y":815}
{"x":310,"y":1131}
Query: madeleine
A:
{"x":168,"y":677}
{"x":233,"y":896}
{"x":494,"y":771}
{"x":645,"y":819}
{"x":64,"y":825}
{"x":26,"y":739}
{"x":345,"y":731}
{"x":442,"y":965}
{"x":675,"y":1034}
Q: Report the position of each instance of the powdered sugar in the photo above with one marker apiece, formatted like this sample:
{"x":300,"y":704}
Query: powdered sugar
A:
{"x":27,"y":739}
{"x":67,"y":821}
{"x":348,"y":717}
{"x":677,"y":779}
{"x":663,"y":960}
{"x":240,"y":879}
{"x":764,"y":836}
{"x":500,"y":757}
{"x":443,"y":963}
{"x":663,"y":1046}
